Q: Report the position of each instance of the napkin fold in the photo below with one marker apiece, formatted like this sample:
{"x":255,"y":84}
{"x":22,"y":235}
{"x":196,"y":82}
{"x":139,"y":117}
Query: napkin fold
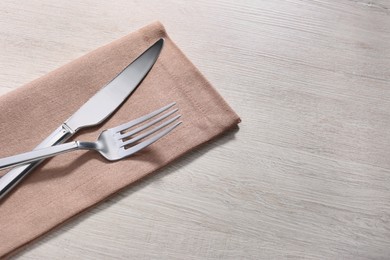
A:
{"x":66,"y":185}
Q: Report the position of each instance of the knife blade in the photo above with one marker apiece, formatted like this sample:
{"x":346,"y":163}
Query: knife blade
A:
{"x":98,"y":108}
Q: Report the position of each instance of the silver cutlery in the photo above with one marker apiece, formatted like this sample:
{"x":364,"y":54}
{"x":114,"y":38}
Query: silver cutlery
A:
{"x":114,"y":144}
{"x":93,"y":112}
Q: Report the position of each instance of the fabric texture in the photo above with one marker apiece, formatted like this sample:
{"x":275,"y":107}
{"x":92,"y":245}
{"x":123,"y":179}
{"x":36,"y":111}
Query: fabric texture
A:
{"x":64,"y":186}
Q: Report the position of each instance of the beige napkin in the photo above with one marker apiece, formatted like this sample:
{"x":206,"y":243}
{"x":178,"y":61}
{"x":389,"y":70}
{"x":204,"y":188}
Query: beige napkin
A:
{"x":68,"y":184}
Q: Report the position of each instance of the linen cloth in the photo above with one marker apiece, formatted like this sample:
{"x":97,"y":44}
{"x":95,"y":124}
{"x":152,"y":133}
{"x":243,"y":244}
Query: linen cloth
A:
{"x":68,"y":184}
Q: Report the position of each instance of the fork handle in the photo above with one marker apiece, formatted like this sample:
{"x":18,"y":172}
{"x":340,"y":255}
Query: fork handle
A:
{"x":38,"y":154}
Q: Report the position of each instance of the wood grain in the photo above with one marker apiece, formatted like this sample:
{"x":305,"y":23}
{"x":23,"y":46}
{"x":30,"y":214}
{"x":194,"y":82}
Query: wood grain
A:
{"x":307,"y":175}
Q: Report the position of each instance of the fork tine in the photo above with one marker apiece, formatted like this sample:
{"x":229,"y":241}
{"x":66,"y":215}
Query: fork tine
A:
{"x":143,"y":127}
{"x":152,"y":131}
{"x":142,"y":118}
{"x":151,"y":140}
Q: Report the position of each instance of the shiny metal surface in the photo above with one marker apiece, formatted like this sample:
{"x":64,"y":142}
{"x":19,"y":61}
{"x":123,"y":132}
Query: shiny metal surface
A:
{"x":104,"y":102}
{"x":113,"y":144}
{"x":93,"y":112}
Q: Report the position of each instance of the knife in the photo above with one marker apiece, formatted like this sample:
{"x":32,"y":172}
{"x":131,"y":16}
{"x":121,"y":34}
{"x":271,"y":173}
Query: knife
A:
{"x":93,"y":112}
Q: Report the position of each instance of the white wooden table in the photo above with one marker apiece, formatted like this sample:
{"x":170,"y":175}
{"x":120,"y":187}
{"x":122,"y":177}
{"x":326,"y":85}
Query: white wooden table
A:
{"x":308,"y":173}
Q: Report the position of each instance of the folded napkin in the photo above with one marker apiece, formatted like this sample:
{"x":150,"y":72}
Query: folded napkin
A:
{"x":66,"y":185}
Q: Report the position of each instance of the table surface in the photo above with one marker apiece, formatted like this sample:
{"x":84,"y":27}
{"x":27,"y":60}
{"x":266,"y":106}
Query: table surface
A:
{"x":307,"y":175}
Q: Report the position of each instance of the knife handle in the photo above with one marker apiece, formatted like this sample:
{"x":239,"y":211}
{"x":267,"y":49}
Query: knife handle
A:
{"x":14,"y":176}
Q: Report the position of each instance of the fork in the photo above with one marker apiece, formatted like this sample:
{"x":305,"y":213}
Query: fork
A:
{"x":114,"y":144}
